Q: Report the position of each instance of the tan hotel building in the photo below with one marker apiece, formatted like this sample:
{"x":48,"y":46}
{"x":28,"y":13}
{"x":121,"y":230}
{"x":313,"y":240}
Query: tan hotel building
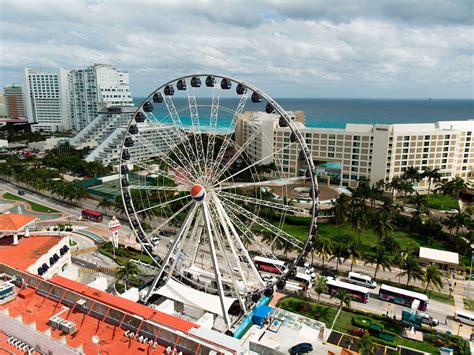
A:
{"x":362,"y":150}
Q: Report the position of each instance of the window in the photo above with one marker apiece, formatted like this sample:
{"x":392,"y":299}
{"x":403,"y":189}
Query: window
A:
{"x":425,"y":156}
{"x":446,"y":142}
{"x":446,"y":136}
{"x":427,"y":144}
{"x":406,"y":144}
{"x":407,"y":138}
{"x":425,"y":150}
{"x":354,"y":169}
{"x":356,"y":138}
{"x":355,"y":150}
{"x":404,"y":163}
{"x":356,"y":144}
{"x":444,"y":161}
{"x":465,"y":161}
{"x":469,"y":133}
{"x":404,"y":156}
{"x":468,"y":139}
{"x":424,"y":162}
{"x":355,"y":157}
{"x":427,"y":137}
{"x":330,"y":155}
{"x":443,"y":167}
{"x":405,"y":150}
{"x":445,"y":149}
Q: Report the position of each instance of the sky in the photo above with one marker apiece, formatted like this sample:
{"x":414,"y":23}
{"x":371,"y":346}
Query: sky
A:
{"x":293,"y":48}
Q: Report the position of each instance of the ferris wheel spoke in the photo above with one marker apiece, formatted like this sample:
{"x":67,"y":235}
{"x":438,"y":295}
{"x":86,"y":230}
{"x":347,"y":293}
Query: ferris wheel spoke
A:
{"x":161,"y":205}
{"x":257,"y":162}
{"x":167,"y":160}
{"x":262,"y":248}
{"x":265,"y":224}
{"x":211,"y":134}
{"x":228,"y":134}
{"x":233,"y":237}
{"x":264,"y":203}
{"x":171,"y":140}
{"x":175,"y":243}
{"x":170,"y":219}
{"x":183,"y":137}
{"x":179,"y":188}
{"x":275,"y":182}
{"x":196,"y":130}
{"x":237,"y":154}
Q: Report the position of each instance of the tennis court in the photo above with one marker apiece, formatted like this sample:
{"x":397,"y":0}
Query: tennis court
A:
{"x":111,"y":189}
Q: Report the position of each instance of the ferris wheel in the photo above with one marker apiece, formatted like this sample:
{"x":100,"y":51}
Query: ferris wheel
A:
{"x":207,"y":189}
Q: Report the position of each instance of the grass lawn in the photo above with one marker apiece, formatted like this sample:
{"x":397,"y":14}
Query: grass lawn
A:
{"x":343,"y":324}
{"x":469,"y":304}
{"x":441,"y":202}
{"x":122,"y":256}
{"x":34,"y":206}
{"x":368,"y":237}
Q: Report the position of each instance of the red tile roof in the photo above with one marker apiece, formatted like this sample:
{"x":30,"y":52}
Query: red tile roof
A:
{"x":13,"y":222}
{"x":125,"y":305}
{"x":24,"y":254}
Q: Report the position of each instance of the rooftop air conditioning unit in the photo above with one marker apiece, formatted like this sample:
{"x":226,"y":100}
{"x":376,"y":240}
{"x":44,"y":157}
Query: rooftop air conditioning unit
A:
{"x":68,"y":327}
{"x":55,"y":322}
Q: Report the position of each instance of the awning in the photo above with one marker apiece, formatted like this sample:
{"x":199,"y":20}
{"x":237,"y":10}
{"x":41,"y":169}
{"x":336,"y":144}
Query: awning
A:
{"x":191,"y":297}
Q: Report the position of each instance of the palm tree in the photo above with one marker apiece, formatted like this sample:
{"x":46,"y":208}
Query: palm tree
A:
{"x":458,"y":186}
{"x":344,"y":298}
{"x":355,"y":252}
{"x":394,"y":185}
{"x":340,"y":250}
{"x":324,"y":248}
{"x":382,"y":226}
{"x":433,"y":175}
{"x":359,"y":218}
{"x":366,"y":347}
{"x":341,"y":209}
{"x":105,"y":204}
{"x":412,"y":269}
{"x":411,"y":174}
{"x":127,"y":273}
{"x":321,"y":285}
{"x":381,"y":258}
{"x":433,"y":276}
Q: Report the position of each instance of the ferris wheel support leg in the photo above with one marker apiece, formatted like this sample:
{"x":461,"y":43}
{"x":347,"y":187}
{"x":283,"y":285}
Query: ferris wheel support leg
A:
{"x":239,"y":242}
{"x":196,"y":235}
{"x":229,"y":266}
{"x":215,"y":264}
{"x":165,"y":261}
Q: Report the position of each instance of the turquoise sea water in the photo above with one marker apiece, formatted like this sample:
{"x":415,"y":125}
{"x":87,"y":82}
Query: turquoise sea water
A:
{"x":335,"y":113}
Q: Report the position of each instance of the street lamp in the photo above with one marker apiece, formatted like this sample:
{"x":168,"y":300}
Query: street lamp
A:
{"x":470,"y":273}
{"x":96,"y":341}
{"x":401,"y":260}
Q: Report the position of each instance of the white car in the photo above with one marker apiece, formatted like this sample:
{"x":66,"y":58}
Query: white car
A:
{"x":452,"y":211}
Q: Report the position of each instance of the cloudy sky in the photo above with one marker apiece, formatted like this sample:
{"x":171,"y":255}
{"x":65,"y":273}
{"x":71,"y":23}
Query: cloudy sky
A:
{"x":293,"y":48}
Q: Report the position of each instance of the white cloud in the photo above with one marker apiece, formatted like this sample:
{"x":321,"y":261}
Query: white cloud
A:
{"x":301,"y":48}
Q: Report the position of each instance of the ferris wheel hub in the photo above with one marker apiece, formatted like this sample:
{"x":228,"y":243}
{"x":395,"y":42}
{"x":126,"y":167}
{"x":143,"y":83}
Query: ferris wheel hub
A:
{"x":198,"y":193}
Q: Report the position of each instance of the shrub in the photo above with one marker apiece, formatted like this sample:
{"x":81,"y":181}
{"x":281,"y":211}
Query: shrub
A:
{"x":362,"y":322}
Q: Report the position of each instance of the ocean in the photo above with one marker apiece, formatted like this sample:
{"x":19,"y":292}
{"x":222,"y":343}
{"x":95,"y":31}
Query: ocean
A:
{"x":335,"y":113}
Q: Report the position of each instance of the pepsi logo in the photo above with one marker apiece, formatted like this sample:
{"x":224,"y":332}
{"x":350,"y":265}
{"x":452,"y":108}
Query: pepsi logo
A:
{"x":198,"y":193}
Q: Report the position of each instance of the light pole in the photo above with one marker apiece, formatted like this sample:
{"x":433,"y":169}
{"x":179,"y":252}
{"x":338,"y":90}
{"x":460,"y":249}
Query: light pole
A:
{"x":96,"y":341}
{"x":401,"y":261}
{"x":470,"y":273}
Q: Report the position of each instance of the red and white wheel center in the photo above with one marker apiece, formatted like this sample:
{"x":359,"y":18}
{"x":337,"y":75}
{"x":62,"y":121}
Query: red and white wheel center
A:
{"x":198,"y":193}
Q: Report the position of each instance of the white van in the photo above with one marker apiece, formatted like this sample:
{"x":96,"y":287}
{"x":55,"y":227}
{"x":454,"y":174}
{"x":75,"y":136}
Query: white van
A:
{"x":464,"y":317}
{"x":361,"y":279}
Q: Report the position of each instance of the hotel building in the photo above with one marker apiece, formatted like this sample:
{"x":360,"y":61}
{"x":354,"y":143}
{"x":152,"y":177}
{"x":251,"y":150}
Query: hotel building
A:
{"x":375,"y":152}
{"x":14,"y":101}
{"x":47,"y":99}
{"x":95,"y":88}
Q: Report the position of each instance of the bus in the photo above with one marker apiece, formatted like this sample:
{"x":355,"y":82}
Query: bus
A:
{"x":270,"y":265}
{"x":304,"y":279}
{"x":402,"y":297}
{"x":92,"y":215}
{"x":358,"y":293}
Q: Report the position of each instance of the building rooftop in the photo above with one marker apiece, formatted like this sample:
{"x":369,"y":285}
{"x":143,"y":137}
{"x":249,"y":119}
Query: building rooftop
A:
{"x":12,"y":222}
{"x":441,"y":256}
{"x":24,"y":254}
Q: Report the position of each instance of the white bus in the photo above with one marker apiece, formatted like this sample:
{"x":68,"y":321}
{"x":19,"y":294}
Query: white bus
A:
{"x":358,"y":293}
{"x":362,"y":280}
{"x":464,"y":317}
{"x":402,"y":297}
{"x":270,"y":265}
{"x":304,"y":278}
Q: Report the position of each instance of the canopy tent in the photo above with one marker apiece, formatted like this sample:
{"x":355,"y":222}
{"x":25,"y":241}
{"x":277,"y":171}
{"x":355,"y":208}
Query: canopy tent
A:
{"x":191,"y":297}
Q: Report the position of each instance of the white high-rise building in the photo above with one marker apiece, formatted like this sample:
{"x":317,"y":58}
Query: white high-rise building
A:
{"x":95,"y":88}
{"x":47,"y":99}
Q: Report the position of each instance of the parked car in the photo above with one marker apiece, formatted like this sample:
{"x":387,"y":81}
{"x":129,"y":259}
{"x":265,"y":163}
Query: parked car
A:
{"x":427,"y":319}
{"x":21,"y":192}
{"x":301,"y":348}
{"x":452,"y":211}
{"x":328,"y":273}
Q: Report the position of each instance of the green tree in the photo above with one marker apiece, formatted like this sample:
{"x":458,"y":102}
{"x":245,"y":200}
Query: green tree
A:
{"x":394,"y":185}
{"x":324,"y":247}
{"x":355,"y":252}
{"x":341,"y":209}
{"x":127,"y":274}
{"x":411,"y":174}
{"x":359,"y":218}
{"x":320,"y":286}
{"x":433,"y":277}
{"x":382,"y":226}
{"x":106,"y":204}
{"x":411,"y":269}
{"x":432,"y":175}
{"x":380,"y":258}
{"x":340,"y":250}
{"x":344,"y":298}
{"x":366,"y":347}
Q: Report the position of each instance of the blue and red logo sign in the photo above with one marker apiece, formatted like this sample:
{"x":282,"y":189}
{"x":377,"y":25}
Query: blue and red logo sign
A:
{"x":198,"y":193}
